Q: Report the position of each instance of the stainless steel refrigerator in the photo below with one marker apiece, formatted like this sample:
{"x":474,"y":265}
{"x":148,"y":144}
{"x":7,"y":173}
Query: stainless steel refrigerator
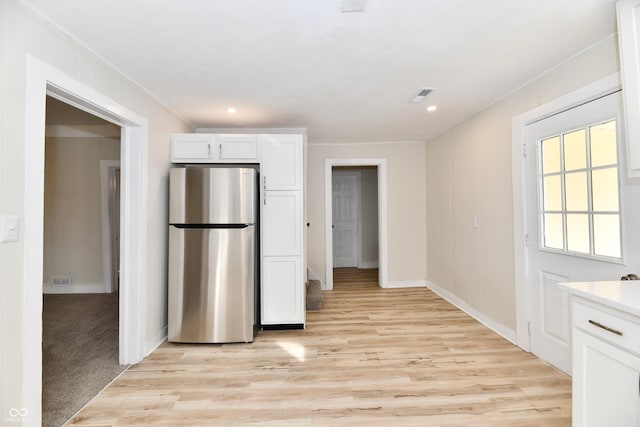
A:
{"x":212,"y":254}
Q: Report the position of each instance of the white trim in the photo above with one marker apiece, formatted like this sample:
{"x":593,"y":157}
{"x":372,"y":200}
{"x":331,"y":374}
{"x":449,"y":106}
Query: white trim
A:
{"x":381,"y":164}
{"x":587,"y":93}
{"x":105,"y":165}
{"x":628,"y":13}
{"x":157,"y":341}
{"x":43,"y":79}
{"x":368,"y":264}
{"x":92,"y":131}
{"x":76,"y":288}
{"x":404,"y":284}
{"x":251,"y":131}
{"x":499,"y":329}
{"x":311,"y":275}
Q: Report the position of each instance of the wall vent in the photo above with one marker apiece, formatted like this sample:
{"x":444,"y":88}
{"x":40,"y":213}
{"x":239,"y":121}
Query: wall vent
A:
{"x":62,"y":281}
{"x":421,"y":95}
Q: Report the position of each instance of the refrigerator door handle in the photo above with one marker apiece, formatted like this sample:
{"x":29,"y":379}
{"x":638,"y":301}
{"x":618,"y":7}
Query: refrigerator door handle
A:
{"x":264,"y":189}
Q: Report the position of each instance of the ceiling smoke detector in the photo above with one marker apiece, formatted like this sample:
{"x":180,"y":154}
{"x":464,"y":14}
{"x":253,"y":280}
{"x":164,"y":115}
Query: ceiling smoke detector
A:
{"x":421,"y":95}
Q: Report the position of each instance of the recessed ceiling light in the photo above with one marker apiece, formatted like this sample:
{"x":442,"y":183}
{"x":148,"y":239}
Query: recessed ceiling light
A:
{"x":431,"y":108}
{"x":231,"y":110}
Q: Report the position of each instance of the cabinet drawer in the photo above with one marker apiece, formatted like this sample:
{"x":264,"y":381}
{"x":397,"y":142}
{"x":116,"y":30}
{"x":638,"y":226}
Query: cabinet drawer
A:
{"x":607,"y":324}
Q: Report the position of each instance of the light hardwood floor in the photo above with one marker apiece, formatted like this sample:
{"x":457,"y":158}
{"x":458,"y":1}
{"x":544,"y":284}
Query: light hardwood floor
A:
{"x":370,"y":357}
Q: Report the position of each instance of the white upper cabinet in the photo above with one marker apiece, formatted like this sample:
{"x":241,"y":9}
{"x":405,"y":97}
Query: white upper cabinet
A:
{"x":233,"y":147}
{"x":281,"y":161}
{"x":629,"y":41}
{"x":192,"y":147}
{"x":212,"y":148}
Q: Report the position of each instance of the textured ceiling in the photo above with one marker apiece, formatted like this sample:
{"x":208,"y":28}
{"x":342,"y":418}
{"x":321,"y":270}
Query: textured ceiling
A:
{"x":344,"y":76}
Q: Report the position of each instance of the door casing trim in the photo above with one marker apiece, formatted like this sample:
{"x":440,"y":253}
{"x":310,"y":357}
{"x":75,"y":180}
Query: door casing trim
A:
{"x":43,"y":79}
{"x":381,"y":165}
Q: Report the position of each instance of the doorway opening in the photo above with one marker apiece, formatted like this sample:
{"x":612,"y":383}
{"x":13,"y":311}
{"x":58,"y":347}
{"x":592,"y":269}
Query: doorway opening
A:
{"x":43,"y":80}
{"x":355,"y":217}
{"x":80,"y":302}
{"x":355,"y":202}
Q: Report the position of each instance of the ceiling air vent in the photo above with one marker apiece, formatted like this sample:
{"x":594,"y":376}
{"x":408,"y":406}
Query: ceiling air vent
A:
{"x":421,"y":95}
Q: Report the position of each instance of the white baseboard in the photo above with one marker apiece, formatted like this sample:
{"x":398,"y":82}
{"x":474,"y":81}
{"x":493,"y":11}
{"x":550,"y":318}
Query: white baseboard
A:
{"x":368,"y":264}
{"x":76,"y":288}
{"x":156,"y":341}
{"x":404,"y":284}
{"x":499,"y":329}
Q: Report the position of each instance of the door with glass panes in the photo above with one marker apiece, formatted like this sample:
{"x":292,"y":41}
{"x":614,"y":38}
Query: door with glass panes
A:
{"x":576,"y":192}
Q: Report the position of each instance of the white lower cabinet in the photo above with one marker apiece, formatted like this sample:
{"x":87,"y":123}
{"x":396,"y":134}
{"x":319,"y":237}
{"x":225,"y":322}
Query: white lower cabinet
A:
{"x":282,"y":291}
{"x":606,"y":367}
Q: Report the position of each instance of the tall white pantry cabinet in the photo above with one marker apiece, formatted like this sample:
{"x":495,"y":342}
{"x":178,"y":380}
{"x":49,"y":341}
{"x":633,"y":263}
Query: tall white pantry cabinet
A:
{"x":280,"y":156}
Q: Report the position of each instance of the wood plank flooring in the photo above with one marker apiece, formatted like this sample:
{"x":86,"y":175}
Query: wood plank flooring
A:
{"x":370,"y":357}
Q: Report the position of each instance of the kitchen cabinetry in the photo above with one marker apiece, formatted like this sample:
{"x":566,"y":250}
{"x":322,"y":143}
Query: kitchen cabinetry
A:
{"x":281,"y":161}
{"x":606,"y":353}
{"x":629,"y":42}
{"x":282,"y":223}
{"x":280,"y":157}
{"x":209,"y":148}
{"x":192,"y":148}
{"x":282,"y":298}
{"x":282,"y":243}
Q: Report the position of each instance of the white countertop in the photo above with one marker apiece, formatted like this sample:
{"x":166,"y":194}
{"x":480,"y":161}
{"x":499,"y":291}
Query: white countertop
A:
{"x":622,"y":295}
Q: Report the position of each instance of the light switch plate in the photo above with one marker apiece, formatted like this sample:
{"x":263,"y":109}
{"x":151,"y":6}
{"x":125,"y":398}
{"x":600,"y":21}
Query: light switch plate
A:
{"x":8,"y":228}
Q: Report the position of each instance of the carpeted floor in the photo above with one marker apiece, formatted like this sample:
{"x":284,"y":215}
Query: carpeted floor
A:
{"x":79,"y":352}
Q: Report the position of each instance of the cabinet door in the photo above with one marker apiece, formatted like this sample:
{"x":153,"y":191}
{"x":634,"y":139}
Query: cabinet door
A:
{"x":191,"y":147}
{"x":282,"y":293}
{"x":628,"y":27}
{"x":240,"y":147}
{"x":281,"y":164}
{"x":281,"y":223}
{"x":606,"y":381}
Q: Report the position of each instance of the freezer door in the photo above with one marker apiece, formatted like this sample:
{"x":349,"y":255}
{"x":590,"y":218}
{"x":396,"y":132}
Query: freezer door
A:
{"x":211,"y":284}
{"x":207,"y":195}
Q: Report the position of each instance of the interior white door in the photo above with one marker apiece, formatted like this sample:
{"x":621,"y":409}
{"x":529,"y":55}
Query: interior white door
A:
{"x":345,"y":219}
{"x":576,"y":223}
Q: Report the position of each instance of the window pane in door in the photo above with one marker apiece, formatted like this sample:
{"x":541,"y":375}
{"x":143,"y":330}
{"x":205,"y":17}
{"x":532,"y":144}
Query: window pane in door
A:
{"x":552,"y":193}
{"x":551,"y":155}
{"x":603,"y":144}
{"x":578,"y":233}
{"x":576,"y":191}
{"x":604,"y":183}
{"x":575,"y":150}
{"x":553,"y":235}
{"x":606,"y":235}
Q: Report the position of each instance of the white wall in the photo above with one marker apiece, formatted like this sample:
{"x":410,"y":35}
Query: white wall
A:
{"x":369,"y":217}
{"x":73,"y":211}
{"x":468,"y":173}
{"x":23,"y":34}
{"x":406,"y":204}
